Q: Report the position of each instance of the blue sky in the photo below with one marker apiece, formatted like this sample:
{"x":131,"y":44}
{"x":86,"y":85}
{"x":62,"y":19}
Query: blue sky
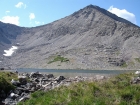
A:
{"x":31,"y":13}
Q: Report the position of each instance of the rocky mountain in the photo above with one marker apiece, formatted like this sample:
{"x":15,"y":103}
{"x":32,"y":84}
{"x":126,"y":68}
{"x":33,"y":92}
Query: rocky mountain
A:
{"x":91,"y":38}
{"x":8,"y":34}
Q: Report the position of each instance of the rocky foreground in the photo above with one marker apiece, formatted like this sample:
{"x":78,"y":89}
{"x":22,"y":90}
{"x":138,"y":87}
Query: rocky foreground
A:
{"x":28,"y":83}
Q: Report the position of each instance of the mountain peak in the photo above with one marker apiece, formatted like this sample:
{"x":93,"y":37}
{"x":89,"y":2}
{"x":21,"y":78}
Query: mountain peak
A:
{"x":92,"y":6}
{"x":91,"y":38}
{"x":94,"y":9}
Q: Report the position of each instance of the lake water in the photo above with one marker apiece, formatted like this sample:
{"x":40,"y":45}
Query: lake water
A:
{"x":75,"y":72}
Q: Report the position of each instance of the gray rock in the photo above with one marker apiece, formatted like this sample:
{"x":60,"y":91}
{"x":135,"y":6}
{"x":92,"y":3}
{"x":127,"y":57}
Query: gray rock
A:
{"x":100,"y":77}
{"x":60,"y":78}
{"x":50,"y":76}
{"x":16,"y":83}
{"x":13,"y":96}
{"x":22,"y":80}
{"x":9,"y":101}
{"x":135,"y":80}
{"x":137,"y":72}
{"x":36,"y":75}
{"x":39,"y":82}
{"x":24,"y":98}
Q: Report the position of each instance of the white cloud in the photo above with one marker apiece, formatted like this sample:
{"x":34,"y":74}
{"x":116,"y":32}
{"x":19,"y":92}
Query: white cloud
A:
{"x":32,"y":16}
{"x":20,"y":4}
{"x":7,"y":11}
{"x":123,"y":14}
{"x":37,"y":22}
{"x":10,"y":19}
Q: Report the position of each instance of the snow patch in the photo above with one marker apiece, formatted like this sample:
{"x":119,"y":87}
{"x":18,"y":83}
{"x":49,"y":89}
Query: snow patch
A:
{"x":10,"y":51}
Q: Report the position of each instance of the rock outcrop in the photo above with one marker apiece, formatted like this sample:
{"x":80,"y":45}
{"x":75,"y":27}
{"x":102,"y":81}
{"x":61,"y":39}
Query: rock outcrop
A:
{"x":136,"y":79}
{"x":29,"y":83}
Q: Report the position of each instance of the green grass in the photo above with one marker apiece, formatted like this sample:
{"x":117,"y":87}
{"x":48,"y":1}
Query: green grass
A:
{"x":131,"y":63}
{"x":137,"y":59}
{"x":59,"y":58}
{"x":124,"y":65}
{"x":5,"y":78}
{"x":117,"y":53}
{"x":115,"y":91}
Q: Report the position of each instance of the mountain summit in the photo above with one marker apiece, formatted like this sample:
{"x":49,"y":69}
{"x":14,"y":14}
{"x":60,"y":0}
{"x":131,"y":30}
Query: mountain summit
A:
{"x":107,"y":13}
{"x":91,"y":38}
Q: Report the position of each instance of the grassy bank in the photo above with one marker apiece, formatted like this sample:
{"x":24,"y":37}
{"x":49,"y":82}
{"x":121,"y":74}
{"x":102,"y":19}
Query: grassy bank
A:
{"x":59,"y":58}
{"x":115,"y":91}
{"x":5,"y":78}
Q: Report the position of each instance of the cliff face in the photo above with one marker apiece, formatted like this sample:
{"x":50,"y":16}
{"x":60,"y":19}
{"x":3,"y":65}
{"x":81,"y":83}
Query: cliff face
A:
{"x":91,"y":38}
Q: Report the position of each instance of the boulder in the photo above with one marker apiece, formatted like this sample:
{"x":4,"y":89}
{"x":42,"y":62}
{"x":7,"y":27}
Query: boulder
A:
{"x":13,"y":95}
{"x":22,"y":80}
{"x":18,"y":92}
{"x":1,"y":68}
{"x":10,"y":101}
{"x":60,"y":78}
{"x":24,"y":97}
{"x":36,"y":75}
{"x":135,"y":80}
{"x":50,"y":76}
{"x":16,"y":83}
{"x":100,"y":77}
{"x":137,"y":72}
{"x":40,"y":81}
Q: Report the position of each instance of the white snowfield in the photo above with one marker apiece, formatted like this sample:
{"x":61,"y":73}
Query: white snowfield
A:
{"x":10,"y":51}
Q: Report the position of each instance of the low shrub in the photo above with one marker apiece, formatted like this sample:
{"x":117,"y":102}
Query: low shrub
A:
{"x":59,"y":58}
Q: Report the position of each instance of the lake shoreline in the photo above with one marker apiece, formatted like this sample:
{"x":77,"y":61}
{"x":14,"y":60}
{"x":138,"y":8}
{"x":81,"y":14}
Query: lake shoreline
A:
{"x":72,"y":72}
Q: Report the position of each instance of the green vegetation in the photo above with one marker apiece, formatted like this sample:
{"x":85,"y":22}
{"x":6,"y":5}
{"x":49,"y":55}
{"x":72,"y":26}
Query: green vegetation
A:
{"x":115,"y":91}
{"x":131,"y":63}
{"x":117,"y":53}
{"x":137,"y":59}
{"x":59,"y":58}
{"x":123,"y":65}
{"x":5,"y":78}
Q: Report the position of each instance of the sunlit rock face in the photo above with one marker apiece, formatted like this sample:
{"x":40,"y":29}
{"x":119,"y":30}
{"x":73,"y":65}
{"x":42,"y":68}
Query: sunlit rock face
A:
{"x":91,"y":38}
